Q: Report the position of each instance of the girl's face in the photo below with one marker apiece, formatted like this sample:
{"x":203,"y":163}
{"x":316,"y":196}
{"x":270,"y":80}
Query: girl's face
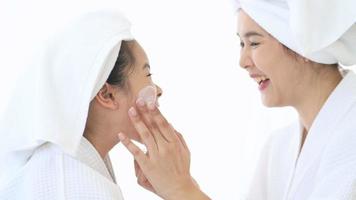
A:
{"x":269,"y":63}
{"x":139,"y":77}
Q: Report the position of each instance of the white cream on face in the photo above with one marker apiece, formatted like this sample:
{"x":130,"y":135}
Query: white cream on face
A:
{"x":148,"y":94}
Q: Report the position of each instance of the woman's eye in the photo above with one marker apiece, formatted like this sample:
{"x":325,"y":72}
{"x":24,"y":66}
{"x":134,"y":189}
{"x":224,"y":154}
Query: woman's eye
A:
{"x":254,"y":44}
{"x":148,"y":75}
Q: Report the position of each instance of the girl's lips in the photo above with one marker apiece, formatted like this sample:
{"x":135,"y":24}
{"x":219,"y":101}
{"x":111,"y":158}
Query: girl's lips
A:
{"x":263,"y":85}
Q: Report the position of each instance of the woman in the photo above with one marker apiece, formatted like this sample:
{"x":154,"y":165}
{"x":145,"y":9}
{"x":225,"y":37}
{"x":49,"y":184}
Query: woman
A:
{"x":66,"y":111}
{"x":314,"y":158}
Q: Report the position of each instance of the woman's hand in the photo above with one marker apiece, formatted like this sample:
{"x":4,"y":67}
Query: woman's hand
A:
{"x":142,"y":180}
{"x":164,"y":169}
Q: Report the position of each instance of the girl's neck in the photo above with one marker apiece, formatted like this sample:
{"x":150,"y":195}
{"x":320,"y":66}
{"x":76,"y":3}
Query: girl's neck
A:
{"x":101,"y":141}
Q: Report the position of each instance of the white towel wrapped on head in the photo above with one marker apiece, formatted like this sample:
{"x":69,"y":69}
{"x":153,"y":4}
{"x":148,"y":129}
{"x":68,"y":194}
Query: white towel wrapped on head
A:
{"x":323,"y":31}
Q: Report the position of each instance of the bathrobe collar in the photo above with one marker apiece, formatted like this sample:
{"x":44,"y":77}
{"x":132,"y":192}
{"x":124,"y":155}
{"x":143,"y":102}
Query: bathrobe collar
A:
{"x":88,"y":155}
{"x":325,"y":124}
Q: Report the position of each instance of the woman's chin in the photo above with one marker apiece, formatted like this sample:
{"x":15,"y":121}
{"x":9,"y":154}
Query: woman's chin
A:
{"x":268,"y":102}
{"x":272,"y":103}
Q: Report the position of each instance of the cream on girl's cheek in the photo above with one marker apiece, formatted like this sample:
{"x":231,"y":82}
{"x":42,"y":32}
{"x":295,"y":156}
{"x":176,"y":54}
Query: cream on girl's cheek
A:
{"x":148,"y":94}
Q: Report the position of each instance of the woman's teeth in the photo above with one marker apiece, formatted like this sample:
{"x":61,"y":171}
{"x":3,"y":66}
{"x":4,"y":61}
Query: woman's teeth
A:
{"x":260,"y":79}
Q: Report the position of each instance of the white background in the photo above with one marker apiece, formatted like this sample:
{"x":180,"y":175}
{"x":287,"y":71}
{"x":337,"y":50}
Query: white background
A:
{"x":193,"y":51}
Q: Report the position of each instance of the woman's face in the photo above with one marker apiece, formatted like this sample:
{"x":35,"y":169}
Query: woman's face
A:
{"x":269,"y":63}
{"x":139,"y":77}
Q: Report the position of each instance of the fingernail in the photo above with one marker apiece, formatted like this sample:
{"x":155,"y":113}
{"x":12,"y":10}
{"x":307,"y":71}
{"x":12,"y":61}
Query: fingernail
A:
{"x":132,"y":112}
{"x":140,"y":102}
{"x":151,"y":105}
{"x":121,"y":136}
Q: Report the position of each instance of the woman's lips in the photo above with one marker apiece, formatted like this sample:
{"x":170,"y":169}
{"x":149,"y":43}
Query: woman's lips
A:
{"x":263,"y":85}
{"x":261,"y":80}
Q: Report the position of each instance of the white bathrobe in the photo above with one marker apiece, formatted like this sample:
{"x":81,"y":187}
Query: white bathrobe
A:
{"x":52,"y":174}
{"x":325,"y":167}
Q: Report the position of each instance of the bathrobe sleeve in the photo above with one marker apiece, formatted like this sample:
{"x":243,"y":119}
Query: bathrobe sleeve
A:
{"x":258,"y":187}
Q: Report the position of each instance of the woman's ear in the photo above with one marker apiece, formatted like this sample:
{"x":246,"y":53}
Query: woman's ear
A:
{"x":107,"y":97}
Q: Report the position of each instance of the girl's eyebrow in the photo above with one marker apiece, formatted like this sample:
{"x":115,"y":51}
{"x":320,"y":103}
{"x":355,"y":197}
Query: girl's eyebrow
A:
{"x":250,"y":34}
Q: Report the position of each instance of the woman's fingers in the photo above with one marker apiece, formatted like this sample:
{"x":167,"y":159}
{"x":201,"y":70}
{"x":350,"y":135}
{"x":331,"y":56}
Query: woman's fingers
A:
{"x":165,"y":169}
{"x":137,"y":153}
{"x":137,"y":168}
{"x":142,"y":108}
{"x":180,"y":136}
{"x":143,"y":131}
{"x":148,"y":120}
{"x":163,"y":125}
{"x":141,"y":178}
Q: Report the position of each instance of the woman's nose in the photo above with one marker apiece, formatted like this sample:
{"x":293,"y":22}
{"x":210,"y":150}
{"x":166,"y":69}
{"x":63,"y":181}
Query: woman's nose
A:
{"x":159,"y":91}
{"x":245,"y":60}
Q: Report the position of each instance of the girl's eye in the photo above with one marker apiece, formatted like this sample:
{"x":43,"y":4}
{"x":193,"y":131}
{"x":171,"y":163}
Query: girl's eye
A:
{"x":242,"y":44}
{"x":252,"y":44}
{"x":148,"y":75}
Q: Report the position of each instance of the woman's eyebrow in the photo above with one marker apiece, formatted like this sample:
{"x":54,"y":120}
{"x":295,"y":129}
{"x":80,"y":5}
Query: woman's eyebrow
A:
{"x":250,"y":34}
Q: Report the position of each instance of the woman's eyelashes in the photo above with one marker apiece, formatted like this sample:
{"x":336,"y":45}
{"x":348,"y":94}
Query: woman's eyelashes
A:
{"x":251,"y":44}
{"x":149,"y":75}
{"x":254,"y":44}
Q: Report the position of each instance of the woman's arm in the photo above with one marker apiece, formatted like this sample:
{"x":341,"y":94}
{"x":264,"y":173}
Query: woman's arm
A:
{"x":165,"y":168}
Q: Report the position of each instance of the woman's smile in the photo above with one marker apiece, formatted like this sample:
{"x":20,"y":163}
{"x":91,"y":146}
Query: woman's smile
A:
{"x":262,"y":81}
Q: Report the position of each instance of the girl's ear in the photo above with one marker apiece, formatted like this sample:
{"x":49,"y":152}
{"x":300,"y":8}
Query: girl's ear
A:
{"x":107,"y":97}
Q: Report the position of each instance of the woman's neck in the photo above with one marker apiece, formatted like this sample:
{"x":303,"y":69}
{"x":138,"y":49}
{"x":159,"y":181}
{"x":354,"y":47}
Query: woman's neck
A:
{"x":315,"y":94}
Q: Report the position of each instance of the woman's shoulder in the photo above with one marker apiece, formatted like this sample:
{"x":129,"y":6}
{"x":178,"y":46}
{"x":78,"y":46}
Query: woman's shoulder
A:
{"x":51,"y":171}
